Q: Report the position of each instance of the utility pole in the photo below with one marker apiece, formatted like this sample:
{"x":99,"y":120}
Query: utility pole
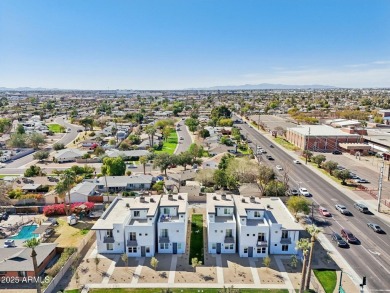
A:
{"x":307,"y":145}
{"x":380,"y":185}
{"x":258,"y":122}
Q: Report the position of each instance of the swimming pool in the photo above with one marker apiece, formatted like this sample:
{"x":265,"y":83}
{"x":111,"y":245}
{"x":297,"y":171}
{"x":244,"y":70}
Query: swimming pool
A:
{"x":26,"y":232}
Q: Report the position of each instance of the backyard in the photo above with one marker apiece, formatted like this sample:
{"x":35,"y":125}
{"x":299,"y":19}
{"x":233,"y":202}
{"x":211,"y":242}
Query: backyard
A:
{"x":71,"y":236}
{"x":170,"y":144}
{"x":196,"y":244}
{"x":56,"y":128}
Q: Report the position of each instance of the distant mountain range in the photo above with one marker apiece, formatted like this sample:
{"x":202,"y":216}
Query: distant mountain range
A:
{"x":265,"y":86}
{"x":262,"y":86}
{"x":25,"y":89}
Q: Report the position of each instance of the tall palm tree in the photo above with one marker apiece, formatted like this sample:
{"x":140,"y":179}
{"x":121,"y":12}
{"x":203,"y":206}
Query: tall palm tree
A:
{"x":304,"y":245}
{"x":313,"y":230}
{"x":143,"y":160}
{"x":32,"y":243}
{"x":68,"y":179}
{"x":150,"y":130}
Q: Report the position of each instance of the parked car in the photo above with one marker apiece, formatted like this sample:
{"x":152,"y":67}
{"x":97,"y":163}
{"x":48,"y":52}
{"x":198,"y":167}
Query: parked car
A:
{"x":348,"y":236}
{"x":297,"y":162}
{"x":303,"y":191}
{"x":9,"y":243}
{"x":271,"y":146}
{"x":371,"y":153}
{"x":278,"y":167}
{"x":361,"y":180}
{"x":270,"y":158}
{"x":181,"y":138}
{"x":339,"y":240}
{"x":342,"y":209}
{"x":79,"y":130}
{"x":4,"y":216}
{"x":323,"y":211}
{"x":375,"y":227}
{"x":336,"y":152}
{"x":361,"y":208}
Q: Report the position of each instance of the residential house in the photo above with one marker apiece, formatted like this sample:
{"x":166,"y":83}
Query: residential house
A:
{"x":213,"y":162}
{"x":123,"y":183}
{"x":182,"y":176}
{"x":172,"y":223}
{"x":68,"y":155}
{"x":16,"y":262}
{"x":81,"y":191}
{"x":221,"y":223}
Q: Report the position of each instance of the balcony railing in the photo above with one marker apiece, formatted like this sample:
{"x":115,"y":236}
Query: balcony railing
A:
{"x":262,"y":243}
{"x":163,"y":239}
{"x":229,"y":239}
{"x":108,"y":239}
{"x":132,"y":242}
{"x":285,"y":240}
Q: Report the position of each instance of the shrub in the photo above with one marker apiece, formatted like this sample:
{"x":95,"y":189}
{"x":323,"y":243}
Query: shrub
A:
{"x":59,"y":209}
{"x":92,"y":134}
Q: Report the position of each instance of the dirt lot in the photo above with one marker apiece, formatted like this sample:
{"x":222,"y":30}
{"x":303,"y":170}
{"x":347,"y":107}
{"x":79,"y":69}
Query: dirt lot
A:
{"x":236,"y":270}
{"x":160,"y":275}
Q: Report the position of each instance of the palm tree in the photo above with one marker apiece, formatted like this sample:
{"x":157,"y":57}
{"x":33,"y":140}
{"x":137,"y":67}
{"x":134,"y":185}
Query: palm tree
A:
{"x":313,"y":230}
{"x":143,"y":160}
{"x":32,"y":243}
{"x":304,"y":245}
{"x":68,"y":179}
{"x":150,"y":130}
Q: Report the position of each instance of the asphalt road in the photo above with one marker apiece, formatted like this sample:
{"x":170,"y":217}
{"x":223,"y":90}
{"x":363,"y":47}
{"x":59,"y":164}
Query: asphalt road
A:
{"x":16,"y":167}
{"x":371,"y":257}
{"x":186,"y":142}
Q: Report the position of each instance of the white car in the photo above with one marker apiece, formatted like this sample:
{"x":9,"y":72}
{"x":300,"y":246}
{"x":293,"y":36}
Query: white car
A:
{"x":303,"y":191}
{"x":2,"y":165}
{"x":342,"y":209}
{"x":297,"y":162}
{"x":278,"y":167}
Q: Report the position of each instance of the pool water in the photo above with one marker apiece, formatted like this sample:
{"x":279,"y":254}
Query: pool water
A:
{"x":26,"y":232}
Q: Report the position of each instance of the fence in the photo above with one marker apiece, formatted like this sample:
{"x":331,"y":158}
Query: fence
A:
{"x":82,"y":249}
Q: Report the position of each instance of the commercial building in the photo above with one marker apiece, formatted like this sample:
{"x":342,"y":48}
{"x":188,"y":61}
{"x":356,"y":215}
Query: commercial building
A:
{"x":321,"y":137}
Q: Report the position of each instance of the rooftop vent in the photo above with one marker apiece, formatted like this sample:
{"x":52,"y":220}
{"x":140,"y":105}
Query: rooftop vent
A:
{"x":215,"y":197}
{"x":170,"y":196}
{"x":268,"y":206}
{"x":142,"y":198}
{"x":180,"y":197}
{"x":223,"y":196}
{"x":252,"y":198}
{"x":151,"y":199}
{"x":243,"y":199}
{"x":127,"y":205}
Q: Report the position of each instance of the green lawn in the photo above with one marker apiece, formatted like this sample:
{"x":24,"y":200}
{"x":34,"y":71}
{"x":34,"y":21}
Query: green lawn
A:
{"x":284,"y":143}
{"x":56,"y":128}
{"x":170,"y":144}
{"x":196,"y":244}
{"x":327,"y":278}
{"x":72,"y":291}
{"x":182,"y":290}
{"x":6,"y":175}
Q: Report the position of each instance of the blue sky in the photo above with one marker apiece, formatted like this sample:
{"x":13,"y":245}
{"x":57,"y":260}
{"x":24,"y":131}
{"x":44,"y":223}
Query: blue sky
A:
{"x":175,"y":44}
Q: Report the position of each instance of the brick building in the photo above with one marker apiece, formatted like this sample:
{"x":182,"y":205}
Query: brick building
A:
{"x":321,"y":137}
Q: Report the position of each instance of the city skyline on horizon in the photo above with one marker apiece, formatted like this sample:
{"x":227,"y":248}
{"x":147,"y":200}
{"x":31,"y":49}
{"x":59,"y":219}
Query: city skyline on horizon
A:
{"x":176,"y":45}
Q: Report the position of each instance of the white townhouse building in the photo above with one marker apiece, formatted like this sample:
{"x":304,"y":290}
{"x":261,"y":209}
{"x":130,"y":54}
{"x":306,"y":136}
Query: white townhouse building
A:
{"x":172,"y":223}
{"x":221,"y":224}
{"x":252,"y":227}
{"x":110,"y":227}
{"x":264,"y":226}
{"x":284,"y":231}
{"x":140,"y":229}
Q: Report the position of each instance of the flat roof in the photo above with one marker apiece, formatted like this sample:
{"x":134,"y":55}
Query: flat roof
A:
{"x":176,"y":200}
{"x":215,"y":200}
{"x":146,"y":202}
{"x":280,"y":213}
{"x":250,"y":203}
{"x":116,"y":213}
{"x":320,"y":130}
